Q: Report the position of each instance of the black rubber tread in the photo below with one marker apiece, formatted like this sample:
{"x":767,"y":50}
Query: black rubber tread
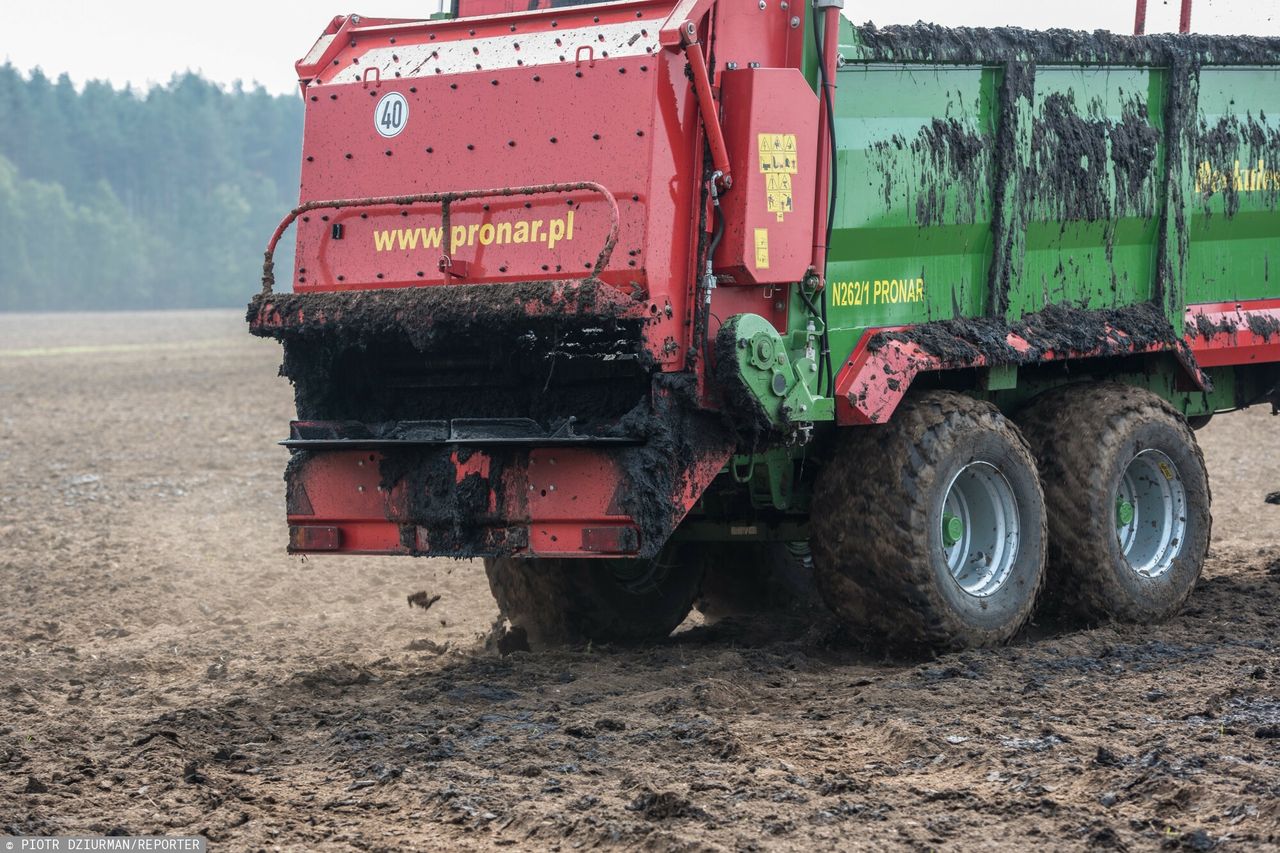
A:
{"x":753,"y":578}
{"x":566,"y":601}
{"x":876,"y":531}
{"x":1083,"y":437}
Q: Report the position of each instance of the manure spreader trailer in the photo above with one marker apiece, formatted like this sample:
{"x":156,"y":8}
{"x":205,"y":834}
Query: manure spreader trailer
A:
{"x":638,"y":300}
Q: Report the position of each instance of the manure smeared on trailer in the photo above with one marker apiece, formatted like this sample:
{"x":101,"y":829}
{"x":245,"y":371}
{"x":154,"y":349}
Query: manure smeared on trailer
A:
{"x":1219,"y":168}
{"x":1264,"y":326}
{"x":1071,"y":150}
{"x":678,"y":436}
{"x":542,"y":350}
{"x":460,"y":522}
{"x":1054,"y":329}
{"x":930,"y":43}
{"x":946,"y":154}
{"x":454,"y":511}
{"x":750,"y":422}
{"x":1052,"y":159}
{"x":547,"y":351}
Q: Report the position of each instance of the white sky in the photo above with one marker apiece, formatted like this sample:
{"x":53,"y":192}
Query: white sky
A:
{"x":146,"y":41}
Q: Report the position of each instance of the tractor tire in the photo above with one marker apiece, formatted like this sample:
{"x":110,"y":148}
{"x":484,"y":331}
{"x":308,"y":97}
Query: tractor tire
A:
{"x":566,"y":601}
{"x":1128,"y":500}
{"x":744,"y":579}
{"x":889,"y":553}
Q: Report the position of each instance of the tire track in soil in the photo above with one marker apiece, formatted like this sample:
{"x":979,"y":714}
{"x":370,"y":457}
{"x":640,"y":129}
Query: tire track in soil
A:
{"x":165,"y":668}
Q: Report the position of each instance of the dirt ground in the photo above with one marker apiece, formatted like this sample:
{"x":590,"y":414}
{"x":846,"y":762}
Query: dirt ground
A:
{"x":166,"y":668}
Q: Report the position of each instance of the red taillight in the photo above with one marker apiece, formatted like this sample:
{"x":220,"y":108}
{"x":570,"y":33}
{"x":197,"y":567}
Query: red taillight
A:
{"x":307,"y":537}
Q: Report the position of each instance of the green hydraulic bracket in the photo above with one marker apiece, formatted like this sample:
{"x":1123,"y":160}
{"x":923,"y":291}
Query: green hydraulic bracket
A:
{"x":775,"y":385}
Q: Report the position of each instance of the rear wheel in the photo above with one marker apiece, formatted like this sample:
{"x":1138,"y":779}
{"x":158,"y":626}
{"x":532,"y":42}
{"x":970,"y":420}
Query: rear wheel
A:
{"x":558,"y":601}
{"x":1128,"y":500}
{"x":931,"y":528}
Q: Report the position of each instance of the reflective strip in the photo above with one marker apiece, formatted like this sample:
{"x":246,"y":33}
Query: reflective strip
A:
{"x":317,"y":50}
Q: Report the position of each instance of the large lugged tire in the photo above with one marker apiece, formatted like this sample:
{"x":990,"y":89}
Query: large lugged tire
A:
{"x":558,"y":601}
{"x":1128,"y":500}
{"x":889,"y":553}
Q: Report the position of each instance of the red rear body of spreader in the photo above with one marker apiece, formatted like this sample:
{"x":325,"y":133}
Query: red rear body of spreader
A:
{"x":523,"y":191}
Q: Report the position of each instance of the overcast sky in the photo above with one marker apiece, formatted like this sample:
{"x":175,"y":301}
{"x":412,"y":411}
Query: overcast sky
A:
{"x":146,"y":41}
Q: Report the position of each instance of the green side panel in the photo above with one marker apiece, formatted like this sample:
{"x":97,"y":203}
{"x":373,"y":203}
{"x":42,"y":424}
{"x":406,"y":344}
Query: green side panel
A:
{"x":1095,"y":189}
{"x":912,"y":235}
{"x":1234,"y":202}
{"x":976,"y":182}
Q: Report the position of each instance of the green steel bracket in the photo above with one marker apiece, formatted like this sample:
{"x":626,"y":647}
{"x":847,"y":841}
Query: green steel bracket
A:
{"x":770,"y":475}
{"x":779,"y":472}
{"x":777,"y":387}
{"x":1002,"y":377}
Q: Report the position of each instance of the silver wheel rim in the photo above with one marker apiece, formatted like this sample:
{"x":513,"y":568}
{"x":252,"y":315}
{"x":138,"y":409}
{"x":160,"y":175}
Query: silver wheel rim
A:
{"x":1151,"y":514}
{"x":981,"y":529}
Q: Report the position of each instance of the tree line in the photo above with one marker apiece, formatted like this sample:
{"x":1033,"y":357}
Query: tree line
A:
{"x":119,"y":199}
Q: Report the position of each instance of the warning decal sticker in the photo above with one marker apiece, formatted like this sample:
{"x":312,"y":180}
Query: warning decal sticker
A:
{"x":778,"y":162}
{"x":762,"y":248}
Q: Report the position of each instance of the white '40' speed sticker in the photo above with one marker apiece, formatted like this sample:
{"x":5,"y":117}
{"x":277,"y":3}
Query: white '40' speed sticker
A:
{"x":391,"y":115}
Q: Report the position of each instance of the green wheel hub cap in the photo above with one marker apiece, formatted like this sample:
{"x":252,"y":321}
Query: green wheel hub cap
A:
{"x":952,"y":529}
{"x":1124,"y":511}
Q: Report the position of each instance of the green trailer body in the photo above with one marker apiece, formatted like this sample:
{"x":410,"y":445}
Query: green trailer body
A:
{"x":1094,"y":172}
{"x":992,"y":174}
{"x":1075,"y":231}
{"x":1077,"y":185}
{"x":995,"y":175}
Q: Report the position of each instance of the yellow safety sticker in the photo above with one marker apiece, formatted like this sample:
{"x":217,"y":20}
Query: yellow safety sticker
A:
{"x":762,"y":248}
{"x":779,"y":160}
{"x":1166,"y":470}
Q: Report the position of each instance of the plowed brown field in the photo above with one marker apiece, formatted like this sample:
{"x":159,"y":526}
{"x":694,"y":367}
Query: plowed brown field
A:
{"x":166,"y":668}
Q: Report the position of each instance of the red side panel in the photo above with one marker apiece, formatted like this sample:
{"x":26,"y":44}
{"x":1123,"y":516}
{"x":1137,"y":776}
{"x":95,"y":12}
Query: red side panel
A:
{"x":548,"y":96}
{"x":1227,"y":333}
{"x":771,"y":129}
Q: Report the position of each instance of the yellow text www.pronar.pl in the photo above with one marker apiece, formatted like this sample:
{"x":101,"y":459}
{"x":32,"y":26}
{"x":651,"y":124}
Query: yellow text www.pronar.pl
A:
{"x":546,"y":232}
